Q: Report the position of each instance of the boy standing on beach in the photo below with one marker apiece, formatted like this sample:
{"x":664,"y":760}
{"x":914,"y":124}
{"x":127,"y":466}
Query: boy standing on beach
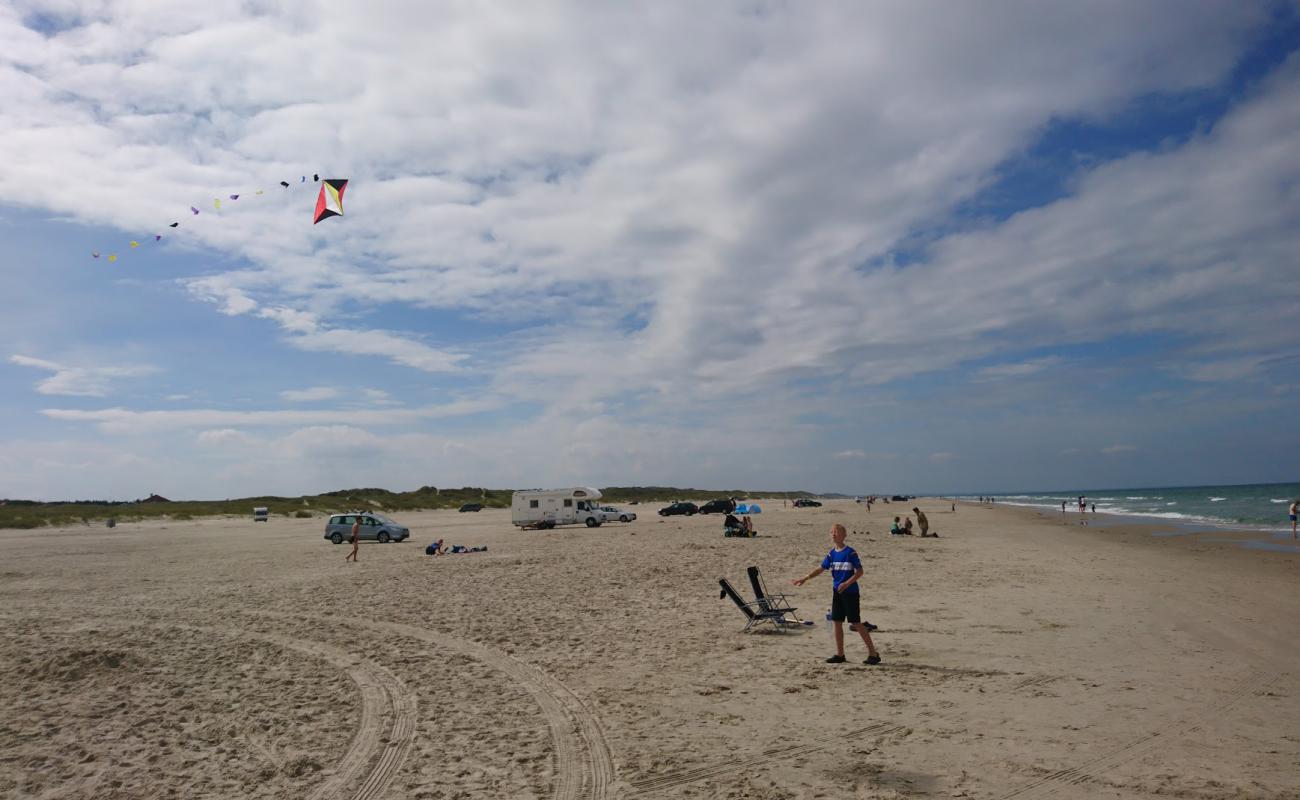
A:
{"x":846,"y":570}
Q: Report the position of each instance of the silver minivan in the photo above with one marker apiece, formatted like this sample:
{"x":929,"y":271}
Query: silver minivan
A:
{"x":374,"y":527}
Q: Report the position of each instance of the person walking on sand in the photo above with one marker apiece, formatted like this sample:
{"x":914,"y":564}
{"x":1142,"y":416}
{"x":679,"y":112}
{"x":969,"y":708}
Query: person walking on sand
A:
{"x":356,"y":540}
{"x":922,"y":521}
{"x":846,"y":571}
{"x":1292,"y":512}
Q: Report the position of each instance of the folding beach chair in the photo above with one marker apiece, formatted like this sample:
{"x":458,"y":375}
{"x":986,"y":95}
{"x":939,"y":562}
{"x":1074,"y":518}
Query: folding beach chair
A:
{"x":755,"y":612}
{"x":775,"y":603}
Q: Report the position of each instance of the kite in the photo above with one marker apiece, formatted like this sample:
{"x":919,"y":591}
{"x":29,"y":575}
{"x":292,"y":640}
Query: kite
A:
{"x":329,"y":203}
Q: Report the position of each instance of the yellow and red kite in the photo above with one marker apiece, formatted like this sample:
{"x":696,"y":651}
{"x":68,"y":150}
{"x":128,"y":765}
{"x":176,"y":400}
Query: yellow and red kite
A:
{"x":329,"y":203}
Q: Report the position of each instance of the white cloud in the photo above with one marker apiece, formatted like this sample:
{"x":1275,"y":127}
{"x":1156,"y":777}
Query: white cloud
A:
{"x":122,"y":420}
{"x":850,"y":455}
{"x":1022,"y":368}
{"x":309,"y":395}
{"x":1115,"y":449}
{"x":225,"y":437}
{"x":73,"y":381}
{"x":378,"y":397}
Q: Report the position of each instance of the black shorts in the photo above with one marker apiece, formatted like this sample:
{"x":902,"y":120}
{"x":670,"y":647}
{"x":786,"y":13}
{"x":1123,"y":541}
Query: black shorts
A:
{"x":845,"y":607}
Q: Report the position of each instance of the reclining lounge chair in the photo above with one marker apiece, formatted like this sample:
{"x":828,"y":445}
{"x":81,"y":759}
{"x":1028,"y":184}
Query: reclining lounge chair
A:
{"x":770,"y":602}
{"x":756,"y":612}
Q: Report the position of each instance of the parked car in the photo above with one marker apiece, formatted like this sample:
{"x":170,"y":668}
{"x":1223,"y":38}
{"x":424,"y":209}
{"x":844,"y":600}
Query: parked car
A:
{"x":806,"y":502}
{"x":689,"y":509}
{"x":374,"y":527}
{"x":718,"y":507}
{"x":471,"y":507}
{"x":611,"y":514}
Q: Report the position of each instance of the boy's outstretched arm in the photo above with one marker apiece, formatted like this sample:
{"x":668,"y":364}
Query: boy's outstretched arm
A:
{"x":808,"y":577}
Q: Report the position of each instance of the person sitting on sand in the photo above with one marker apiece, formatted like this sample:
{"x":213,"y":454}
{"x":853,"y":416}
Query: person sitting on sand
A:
{"x":435,"y":549}
{"x":907,"y":526}
{"x":748,"y":525}
{"x":896,"y":529}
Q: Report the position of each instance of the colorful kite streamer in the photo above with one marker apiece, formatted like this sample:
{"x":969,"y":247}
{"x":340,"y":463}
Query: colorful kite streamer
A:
{"x":329,"y":203}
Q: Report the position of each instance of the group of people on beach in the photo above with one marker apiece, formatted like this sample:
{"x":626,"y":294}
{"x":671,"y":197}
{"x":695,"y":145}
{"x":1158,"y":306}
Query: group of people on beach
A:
{"x":437,"y":548}
{"x":904,"y":528}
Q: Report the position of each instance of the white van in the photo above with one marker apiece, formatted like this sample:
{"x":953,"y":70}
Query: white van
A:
{"x":261,"y":514}
{"x":547,"y":508}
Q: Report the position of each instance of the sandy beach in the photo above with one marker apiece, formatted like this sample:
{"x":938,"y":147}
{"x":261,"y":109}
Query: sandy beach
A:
{"x":1023,"y":657}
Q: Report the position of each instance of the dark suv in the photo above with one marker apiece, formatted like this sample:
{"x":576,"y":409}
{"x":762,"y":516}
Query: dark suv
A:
{"x":804,"y":502}
{"x":718,"y":507}
{"x":471,"y":507}
{"x":679,"y":508}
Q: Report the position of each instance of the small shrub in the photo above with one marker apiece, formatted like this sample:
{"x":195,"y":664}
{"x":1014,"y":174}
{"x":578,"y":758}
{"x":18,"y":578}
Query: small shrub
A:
{"x":302,"y":514}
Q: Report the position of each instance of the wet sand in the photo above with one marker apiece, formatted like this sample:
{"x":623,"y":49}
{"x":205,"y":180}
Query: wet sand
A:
{"x":1023,"y":657}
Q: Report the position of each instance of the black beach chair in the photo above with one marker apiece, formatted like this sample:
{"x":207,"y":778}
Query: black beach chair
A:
{"x":755,"y":613}
{"x":771,"y":602}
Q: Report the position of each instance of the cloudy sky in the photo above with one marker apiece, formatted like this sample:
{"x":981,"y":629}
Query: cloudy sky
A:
{"x":923,"y":247}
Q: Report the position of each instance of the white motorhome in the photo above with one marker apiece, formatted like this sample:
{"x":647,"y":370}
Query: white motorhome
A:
{"x":546,"y":508}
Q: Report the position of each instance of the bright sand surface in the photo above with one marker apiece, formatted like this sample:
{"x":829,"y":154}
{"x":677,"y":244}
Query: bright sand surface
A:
{"x":1023,"y":657}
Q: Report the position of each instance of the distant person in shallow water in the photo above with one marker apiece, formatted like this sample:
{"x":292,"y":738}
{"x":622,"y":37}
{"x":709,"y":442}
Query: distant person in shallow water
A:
{"x":1292,"y":512}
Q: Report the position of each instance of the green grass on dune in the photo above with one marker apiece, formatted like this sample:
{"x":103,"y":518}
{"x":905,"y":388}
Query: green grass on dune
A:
{"x":31,"y":514}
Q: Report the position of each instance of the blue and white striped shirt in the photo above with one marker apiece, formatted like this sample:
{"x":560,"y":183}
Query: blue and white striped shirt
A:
{"x":842,"y":564}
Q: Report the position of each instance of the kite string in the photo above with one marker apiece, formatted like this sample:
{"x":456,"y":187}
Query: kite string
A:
{"x":194,"y":211}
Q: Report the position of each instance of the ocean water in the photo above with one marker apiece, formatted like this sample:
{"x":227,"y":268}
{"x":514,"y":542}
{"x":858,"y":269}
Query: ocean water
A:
{"x":1257,"y":506}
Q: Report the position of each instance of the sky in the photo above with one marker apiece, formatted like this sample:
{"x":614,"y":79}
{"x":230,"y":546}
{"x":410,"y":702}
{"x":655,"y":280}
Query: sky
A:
{"x":922,"y":247}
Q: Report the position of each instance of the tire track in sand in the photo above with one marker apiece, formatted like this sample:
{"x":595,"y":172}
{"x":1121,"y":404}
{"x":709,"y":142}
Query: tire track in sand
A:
{"x":584,"y":767}
{"x":1094,"y":768}
{"x":388,"y":712}
{"x":661,"y":782}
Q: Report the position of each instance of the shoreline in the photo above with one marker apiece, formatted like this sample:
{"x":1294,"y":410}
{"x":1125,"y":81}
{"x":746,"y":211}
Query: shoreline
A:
{"x":1237,"y":536}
